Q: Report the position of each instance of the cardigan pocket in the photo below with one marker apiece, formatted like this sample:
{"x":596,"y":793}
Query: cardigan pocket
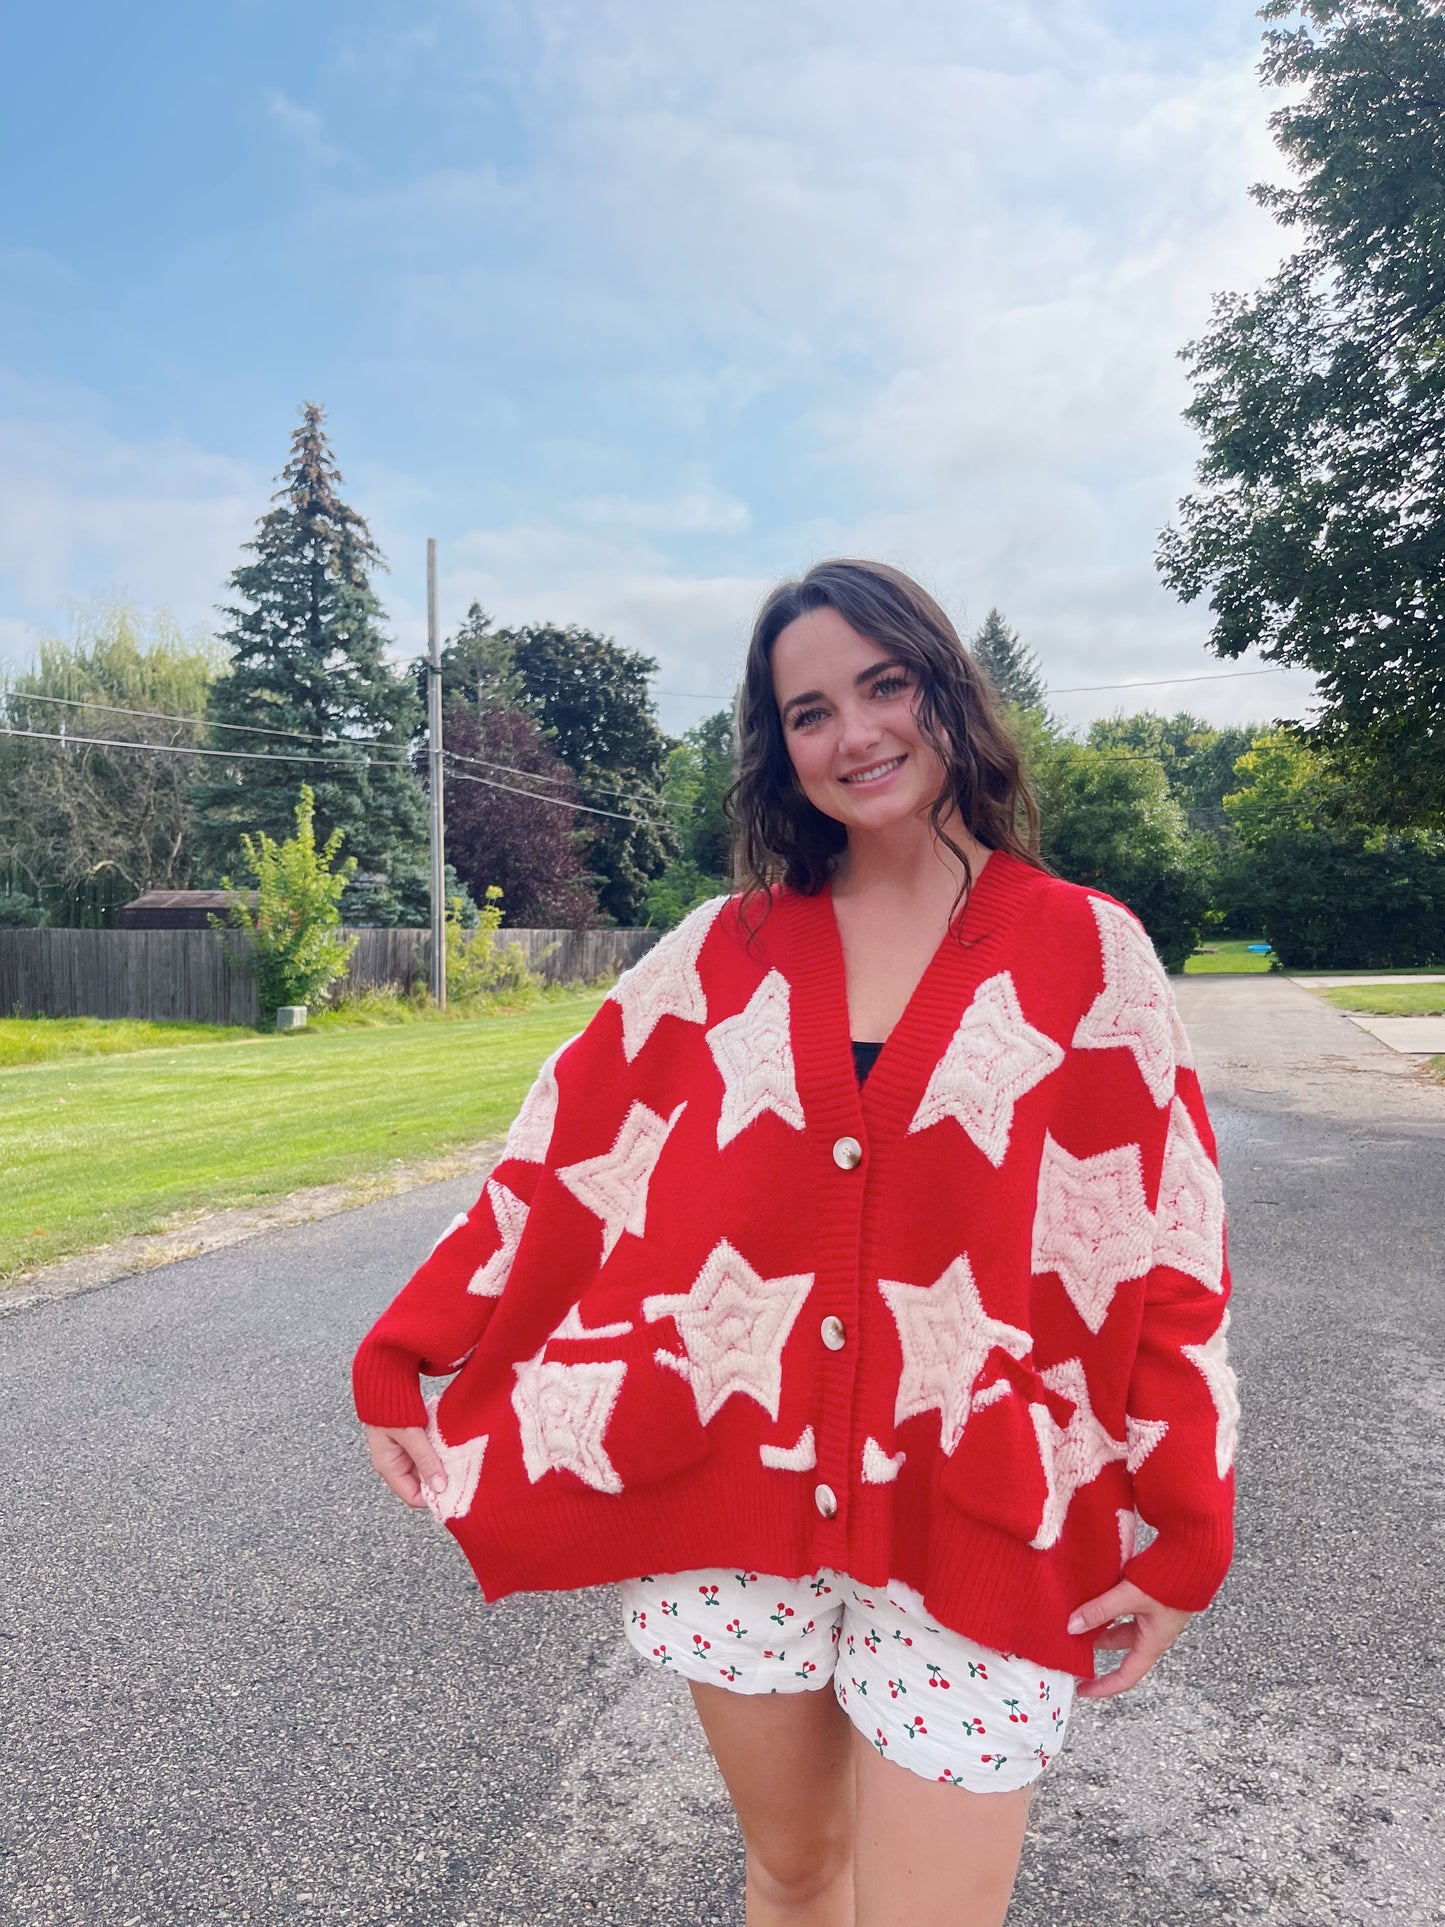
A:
{"x":652,"y":1431}
{"x":996,"y":1472}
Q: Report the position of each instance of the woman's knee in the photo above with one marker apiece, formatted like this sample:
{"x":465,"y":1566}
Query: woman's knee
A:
{"x":787,"y":1871}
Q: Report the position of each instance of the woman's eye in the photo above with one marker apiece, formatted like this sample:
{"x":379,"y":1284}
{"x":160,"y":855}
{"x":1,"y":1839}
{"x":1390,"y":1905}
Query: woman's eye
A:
{"x":890,"y":685}
{"x":803,"y":717}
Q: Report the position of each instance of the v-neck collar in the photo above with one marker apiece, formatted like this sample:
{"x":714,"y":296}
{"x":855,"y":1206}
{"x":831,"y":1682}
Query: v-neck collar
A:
{"x":970,"y":951}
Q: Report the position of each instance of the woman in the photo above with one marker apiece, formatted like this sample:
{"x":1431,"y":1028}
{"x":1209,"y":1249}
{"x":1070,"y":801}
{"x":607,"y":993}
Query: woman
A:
{"x":858,"y":1365}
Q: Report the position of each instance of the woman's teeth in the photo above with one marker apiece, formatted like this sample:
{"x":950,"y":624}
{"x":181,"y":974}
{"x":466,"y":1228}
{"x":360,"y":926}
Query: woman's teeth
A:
{"x":872,"y":774}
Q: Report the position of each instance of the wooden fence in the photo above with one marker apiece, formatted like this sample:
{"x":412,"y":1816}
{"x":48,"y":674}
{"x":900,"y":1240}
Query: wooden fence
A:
{"x":192,"y":975}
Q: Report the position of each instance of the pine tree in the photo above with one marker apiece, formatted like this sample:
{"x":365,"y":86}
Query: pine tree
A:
{"x":306,"y":644}
{"x":1011,"y":666}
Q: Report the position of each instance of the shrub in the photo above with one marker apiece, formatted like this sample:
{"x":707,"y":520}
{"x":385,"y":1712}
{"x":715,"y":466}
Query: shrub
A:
{"x":478,"y":964}
{"x":296,"y":950}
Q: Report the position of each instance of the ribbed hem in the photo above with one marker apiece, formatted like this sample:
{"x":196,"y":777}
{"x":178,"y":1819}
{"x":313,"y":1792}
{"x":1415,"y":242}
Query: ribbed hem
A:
{"x":385,"y":1383}
{"x":1185,"y":1566}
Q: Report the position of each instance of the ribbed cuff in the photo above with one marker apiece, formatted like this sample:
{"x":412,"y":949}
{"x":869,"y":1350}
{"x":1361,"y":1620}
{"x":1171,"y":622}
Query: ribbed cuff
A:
{"x":386,"y":1385}
{"x":1185,"y":1566}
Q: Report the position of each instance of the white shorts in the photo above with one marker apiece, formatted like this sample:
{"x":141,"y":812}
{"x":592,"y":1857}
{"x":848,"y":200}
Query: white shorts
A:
{"x":930,"y":1699}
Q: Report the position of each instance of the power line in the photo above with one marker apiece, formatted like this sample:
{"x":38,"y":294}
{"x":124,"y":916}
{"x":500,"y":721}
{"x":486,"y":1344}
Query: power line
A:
{"x":1160,"y":682}
{"x":191,"y":749}
{"x":17,"y":696}
{"x":559,"y":802}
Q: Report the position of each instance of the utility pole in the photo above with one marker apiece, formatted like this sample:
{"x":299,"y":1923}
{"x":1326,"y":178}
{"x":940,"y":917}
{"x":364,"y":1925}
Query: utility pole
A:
{"x":434,"y":740}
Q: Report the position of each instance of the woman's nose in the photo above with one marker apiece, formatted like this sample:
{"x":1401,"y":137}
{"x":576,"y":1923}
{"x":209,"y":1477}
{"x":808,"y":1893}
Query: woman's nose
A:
{"x":857,"y":730}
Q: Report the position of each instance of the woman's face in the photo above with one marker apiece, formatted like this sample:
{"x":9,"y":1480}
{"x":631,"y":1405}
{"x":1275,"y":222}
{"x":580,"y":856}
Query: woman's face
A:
{"x":848,"y":714}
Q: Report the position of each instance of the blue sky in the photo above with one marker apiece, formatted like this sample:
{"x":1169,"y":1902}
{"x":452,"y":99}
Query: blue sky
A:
{"x":636,"y":306}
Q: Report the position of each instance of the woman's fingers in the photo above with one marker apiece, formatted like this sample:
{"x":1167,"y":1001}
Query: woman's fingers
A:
{"x":404,"y":1457}
{"x":1143,"y":1637}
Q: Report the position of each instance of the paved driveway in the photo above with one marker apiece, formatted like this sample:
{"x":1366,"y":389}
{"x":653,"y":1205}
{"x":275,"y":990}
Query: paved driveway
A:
{"x":238,"y":1685}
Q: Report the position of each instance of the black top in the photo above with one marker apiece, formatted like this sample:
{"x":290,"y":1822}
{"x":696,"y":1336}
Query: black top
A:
{"x":865,"y":1056}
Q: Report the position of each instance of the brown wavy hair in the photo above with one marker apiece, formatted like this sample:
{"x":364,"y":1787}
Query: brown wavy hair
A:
{"x":779,"y":836}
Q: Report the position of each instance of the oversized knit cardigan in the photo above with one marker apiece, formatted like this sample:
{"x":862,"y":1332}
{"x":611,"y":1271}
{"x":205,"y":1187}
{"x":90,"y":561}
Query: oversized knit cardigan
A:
{"x":963,"y":1327}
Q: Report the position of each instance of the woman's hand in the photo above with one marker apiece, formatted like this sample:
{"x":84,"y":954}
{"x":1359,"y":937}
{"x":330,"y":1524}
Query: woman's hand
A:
{"x":403,"y":1455}
{"x":1144,"y":1636}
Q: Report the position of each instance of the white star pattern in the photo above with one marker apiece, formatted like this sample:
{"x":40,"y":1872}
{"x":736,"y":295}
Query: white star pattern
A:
{"x":946,"y":1337}
{"x":801,"y":1457}
{"x":1134,"y":1010}
{"x":1189,"y":1223}
{"x":1128,"y":1522}
{"x":563,"y":1412}
{"x":614,"y":1184}
{"x":734,"y":1325}
{"x":462,"y":1465}
{"x":1212,"y":1359}
{"x":456,"y":1224}
{"x":511,"y":1216}
{"x":532,"y":1128}
{"x":1073,"y":1455}
{"x":665,"y":982}
{"x":1092,"y":1225}
{"x":880,"y":1467}
{"x":573,"y":1328}
{"x":1143,"y":1434}
{"x":754,"y":1054}
{"x":994,"y":1058}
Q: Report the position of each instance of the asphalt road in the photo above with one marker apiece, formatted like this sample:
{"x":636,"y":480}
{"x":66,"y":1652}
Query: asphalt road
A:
{"x":238,"y":1684}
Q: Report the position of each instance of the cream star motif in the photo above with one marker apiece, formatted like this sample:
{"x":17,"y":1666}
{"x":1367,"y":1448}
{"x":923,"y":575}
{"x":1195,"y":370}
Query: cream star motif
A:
{"x":614,"y":1184}
{"x":946,"y":1337}
{"x":1189,"y":1222}
{"x":1134,"y":1011}
{"x":456,"y":1224}
{"x":754,"y":1054}
{"x":880,"y":1467}
{"x":1212,"y":1359}
{"x":1072,"y":1455}
{"x":532,"y":1128}
{"x":572,"y":1327}
{"x":665,"y":982}
{"x":462,"y":1465}
{"x":1092,"y":1224}
{"x":563,"y":1412}
{"x":801,"y":1457}
{"x":734,"y":1325}
{"x":1127,"y":1520}
{"x":993,"y":1059}
{"x":1143,"y":1434}
{"x":511,"y":1216}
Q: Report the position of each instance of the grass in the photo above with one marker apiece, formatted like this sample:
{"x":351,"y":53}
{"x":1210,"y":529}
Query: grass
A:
{"x":1389,"y":1000}
{"x":93,"y":1150}
{"x":46,"y":1040}
{"x":1228,"y":954}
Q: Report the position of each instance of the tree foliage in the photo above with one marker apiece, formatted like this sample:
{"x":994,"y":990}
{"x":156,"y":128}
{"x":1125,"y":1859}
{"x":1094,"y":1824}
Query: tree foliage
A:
{"x":306,"y":643}
{"x":295,"y":951}
{"x":1318,"y":527}
{"x":85,"y":827}
{"x":1197,"y":759}
{"x":1110,"y":822}
{"x":530,"y":847}
{"x":1329,"y":890}
{"x":1010,"y":665}
{"x":700,"y":770}
{"x":590,"y":696}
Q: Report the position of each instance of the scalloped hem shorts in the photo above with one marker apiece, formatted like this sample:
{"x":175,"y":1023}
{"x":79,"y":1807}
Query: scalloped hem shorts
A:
{"x":930,"y":1699}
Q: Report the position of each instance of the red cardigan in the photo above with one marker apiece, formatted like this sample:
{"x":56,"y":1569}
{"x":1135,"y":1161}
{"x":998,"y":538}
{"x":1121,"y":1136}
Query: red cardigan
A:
{"x":717,"y":1306}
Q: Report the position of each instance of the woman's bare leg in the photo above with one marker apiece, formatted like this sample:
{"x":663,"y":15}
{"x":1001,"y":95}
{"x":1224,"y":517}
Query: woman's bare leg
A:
{"x":787,"y":1760}
{"x":929,"y":1854}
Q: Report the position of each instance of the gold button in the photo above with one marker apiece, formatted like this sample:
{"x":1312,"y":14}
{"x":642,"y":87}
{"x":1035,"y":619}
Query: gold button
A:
{"x":826,"y":1500}
{"x":847,"y":1154}
{"x":835,"y":1334}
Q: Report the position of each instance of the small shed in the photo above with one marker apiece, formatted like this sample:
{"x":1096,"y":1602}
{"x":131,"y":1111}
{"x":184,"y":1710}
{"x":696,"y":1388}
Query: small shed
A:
{"x":178,"y":909}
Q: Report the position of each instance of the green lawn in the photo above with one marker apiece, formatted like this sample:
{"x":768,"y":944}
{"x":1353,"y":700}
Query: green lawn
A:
{"x":1227,"y":953}
{"x":45,"y":1040}
{"x":1389,"y":1000}
{"x":93,"y":1150}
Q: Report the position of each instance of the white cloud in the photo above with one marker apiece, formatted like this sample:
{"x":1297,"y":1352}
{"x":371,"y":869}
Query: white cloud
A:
{"x":304,"y":126}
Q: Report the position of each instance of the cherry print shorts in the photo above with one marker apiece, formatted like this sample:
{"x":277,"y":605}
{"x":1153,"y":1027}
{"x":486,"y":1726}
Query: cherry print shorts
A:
{"x":928,"y":1698}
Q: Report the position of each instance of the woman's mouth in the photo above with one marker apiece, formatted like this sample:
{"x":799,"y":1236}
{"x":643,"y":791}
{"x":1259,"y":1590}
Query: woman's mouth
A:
{"x":874,"y":773}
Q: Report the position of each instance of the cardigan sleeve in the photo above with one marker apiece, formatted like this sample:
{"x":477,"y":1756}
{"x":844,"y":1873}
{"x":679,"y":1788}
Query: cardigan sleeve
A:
{"x":1183,"y":1409}
{"x":437,"y":1318}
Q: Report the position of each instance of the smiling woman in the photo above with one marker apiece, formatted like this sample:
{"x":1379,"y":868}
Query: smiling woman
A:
{"x":857,"y":1367}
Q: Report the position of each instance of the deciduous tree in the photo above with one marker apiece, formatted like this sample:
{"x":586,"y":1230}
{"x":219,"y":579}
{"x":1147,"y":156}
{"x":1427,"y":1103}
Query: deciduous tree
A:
{"x":1317,"y":531}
